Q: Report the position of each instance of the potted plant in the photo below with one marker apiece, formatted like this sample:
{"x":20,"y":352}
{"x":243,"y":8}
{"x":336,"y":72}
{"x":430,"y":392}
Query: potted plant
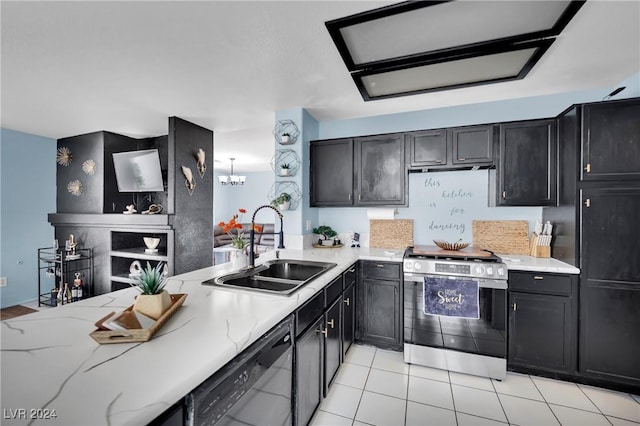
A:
{"x":284,"y":169}
{"x":282,"y":202}
{"x":327,"y":233}
{"x":153,"y":300}
{"x":286,"y":137}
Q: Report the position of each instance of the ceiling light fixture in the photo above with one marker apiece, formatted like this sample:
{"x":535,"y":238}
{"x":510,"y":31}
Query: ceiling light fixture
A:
{"x":232,"y":179}
{"x":424,"y":46}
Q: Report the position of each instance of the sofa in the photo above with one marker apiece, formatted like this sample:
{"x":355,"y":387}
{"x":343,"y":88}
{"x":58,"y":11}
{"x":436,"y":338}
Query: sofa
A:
{"x":264,"y":241}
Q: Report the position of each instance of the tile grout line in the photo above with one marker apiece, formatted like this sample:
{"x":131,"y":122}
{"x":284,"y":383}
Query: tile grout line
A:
{"x":500,"y":401}
{"x":594,"y":404}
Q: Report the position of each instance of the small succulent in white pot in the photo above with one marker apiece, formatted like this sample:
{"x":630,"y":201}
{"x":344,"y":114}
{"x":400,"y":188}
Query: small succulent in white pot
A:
{"x":153,"y":300}
{"x":284,"y":169}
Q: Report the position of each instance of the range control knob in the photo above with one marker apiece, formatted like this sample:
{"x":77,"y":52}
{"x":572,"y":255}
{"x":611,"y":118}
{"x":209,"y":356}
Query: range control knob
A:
{"x":417,"y":266}
{"x":501,"y":271}
{"x":489,"y":270}
{"x":408,"y":265}
{"x":479,"y":270}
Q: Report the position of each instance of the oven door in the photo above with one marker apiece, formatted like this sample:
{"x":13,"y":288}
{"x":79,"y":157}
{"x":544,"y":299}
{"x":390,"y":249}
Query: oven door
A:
{"x":483,"y":336}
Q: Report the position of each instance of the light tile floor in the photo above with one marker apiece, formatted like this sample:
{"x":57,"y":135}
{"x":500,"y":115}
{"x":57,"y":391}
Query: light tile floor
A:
{"x":376,"y":387}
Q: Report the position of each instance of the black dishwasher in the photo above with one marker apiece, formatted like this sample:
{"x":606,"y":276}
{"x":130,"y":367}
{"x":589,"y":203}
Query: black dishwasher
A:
{"x":252,"y":389}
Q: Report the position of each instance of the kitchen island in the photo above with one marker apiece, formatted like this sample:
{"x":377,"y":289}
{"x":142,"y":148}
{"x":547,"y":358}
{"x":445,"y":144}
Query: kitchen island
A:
{"x":50,"y":365}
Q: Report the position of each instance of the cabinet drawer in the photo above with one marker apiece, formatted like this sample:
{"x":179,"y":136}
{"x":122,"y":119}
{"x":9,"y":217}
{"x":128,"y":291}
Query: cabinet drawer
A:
{"x":349,"y":276}
{"x":309,"y":312}
{"x":537,"y":282}
{"x":333,"y":290}
{"x":384,"y":270}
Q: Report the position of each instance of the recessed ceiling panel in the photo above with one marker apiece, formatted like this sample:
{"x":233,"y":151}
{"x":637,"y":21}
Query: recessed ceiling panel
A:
{"x":436,"y":28}
{"x":469,"y":71}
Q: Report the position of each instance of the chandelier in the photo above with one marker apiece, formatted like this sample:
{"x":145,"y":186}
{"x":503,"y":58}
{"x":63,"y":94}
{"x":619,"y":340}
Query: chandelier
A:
{"x":232,"y":179}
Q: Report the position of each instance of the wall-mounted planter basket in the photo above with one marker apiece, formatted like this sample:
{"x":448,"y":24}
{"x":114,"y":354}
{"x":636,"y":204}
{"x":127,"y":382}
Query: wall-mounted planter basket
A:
{"x":290,"y":188}
{"x":286,"y":127}
{"x":285,"y":156}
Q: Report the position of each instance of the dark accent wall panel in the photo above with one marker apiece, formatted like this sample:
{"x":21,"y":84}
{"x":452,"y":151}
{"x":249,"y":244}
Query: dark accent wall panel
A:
{"x":85,"y":147}
{"x":193,"y":214}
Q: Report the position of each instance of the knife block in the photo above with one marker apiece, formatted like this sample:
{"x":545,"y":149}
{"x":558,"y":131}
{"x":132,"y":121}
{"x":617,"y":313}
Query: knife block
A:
{"x":538,"y":251}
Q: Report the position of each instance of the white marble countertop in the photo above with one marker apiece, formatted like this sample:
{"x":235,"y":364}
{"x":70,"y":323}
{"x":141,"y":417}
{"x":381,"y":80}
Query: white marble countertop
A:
{"x":537,"y":264}
{"x":49,"y":361}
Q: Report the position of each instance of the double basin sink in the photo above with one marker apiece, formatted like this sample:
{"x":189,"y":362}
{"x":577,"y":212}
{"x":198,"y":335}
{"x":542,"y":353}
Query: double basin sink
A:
{"x":280,"y":276}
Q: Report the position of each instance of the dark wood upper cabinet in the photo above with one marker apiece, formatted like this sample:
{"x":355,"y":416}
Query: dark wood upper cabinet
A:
{"x":380,"y":170}
{"x":427,"y":148}
{"x":472,"y":145}
{"x":459,"y":147}
{"x":367,"y":171}
{"x":526,"y":171}
{"x":331,"y":173}
{"x":611,"y":141}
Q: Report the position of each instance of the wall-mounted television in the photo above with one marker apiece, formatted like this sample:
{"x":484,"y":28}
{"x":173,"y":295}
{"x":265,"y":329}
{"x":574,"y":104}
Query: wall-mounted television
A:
{"x":138,"y":171}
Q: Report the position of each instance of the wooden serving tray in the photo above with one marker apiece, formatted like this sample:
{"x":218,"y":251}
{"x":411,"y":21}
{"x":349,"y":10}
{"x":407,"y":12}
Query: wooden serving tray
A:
{"x":321,"y":246}
{"x":139,"y":334}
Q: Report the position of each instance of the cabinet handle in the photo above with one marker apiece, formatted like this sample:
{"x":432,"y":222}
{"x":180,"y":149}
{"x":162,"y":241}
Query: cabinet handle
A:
{"x":349,"y":196}
{"x":462,"y":159}
{"x":331,"y":323}
{"x":352,"y":270}
{"x":587,"y":168}
{"x":438,"y":161}
{"x":346,"y":301}
{"x":322,"y":332}
{"x":587,"y":202}
{"x":380,"y":265}
{"x":515,"y":306}
{"x":359,"y":197}
{"x":504,"y":194}
{"x":538,"y":277}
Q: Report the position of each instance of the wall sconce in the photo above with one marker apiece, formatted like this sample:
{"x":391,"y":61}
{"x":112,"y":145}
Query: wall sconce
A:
{"x":188,"y":182}
{"x":202,"y":166}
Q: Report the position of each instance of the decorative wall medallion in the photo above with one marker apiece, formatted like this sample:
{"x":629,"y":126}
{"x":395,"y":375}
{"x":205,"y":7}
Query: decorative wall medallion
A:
{"x":89,"y":167}
{"x":75,"y":187}
{"x":63,"y":157}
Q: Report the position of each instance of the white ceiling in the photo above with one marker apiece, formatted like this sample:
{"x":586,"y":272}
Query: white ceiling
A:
{"x":76,"y":67}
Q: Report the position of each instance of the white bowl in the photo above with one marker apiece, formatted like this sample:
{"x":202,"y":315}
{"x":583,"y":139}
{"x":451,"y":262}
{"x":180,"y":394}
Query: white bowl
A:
{"x":151,"y":243}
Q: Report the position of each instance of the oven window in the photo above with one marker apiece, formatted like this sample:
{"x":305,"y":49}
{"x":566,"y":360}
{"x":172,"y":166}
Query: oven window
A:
{"x":484,"y":336}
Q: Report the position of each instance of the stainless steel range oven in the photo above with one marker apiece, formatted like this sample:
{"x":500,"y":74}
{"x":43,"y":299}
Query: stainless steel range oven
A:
{"x":476,"y":345}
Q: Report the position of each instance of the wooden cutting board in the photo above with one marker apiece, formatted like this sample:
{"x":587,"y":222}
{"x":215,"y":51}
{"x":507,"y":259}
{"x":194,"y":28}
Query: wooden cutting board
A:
{"x":437,"y":251}
{"x":391,"y":234}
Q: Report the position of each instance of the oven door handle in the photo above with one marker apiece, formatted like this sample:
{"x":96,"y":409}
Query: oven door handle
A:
{"x":482,"y":282}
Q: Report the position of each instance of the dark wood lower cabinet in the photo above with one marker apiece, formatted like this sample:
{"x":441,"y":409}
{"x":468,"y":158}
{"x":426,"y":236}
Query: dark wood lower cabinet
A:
{"x":543,"y":323}
{"x":610,"y":334}
{"x":380,"y":304}
{"x":348,"y":318}
{"x":308,"y":365}
{"x":332,"y":350}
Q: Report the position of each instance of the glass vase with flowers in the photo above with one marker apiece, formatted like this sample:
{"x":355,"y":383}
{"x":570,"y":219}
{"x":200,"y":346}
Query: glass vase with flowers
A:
{"x":239,"y":244}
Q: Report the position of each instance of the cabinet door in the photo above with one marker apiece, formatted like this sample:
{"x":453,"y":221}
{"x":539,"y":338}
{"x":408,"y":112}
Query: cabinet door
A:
{"x":611,"y":140}
{"x":610,"y":284}
{"x":379,"y":308}
{"x":472,"y":145}
{"x":332,"y":349}
{"x":540,"y":332}
{"x":331,"y":173}
{"x":308,"y":365}
{"x":348,"y":319}
{"x":381,"y":172}
{"x":527,"y":165}
{"x":427,"y":148}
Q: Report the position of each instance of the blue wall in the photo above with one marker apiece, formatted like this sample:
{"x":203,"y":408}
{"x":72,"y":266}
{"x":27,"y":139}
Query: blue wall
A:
{"x":27,"y":180}
{"x":421,"y":198}
{"x":227,"y":199}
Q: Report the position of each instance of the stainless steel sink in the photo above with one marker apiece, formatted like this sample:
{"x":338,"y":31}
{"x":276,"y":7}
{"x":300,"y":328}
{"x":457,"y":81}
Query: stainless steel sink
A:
{"x":281,"y":276}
